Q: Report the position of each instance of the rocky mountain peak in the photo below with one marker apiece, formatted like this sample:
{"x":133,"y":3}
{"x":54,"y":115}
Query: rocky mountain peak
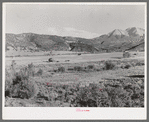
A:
{"x":118,"y":32}
{"x":135,"y":31}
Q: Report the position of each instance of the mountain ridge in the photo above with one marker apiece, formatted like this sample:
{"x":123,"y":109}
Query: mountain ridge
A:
{"x":116,"y":40}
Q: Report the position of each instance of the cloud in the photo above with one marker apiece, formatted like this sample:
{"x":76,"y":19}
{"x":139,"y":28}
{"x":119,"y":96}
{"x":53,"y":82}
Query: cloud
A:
{"x":74,"y":30}
{"x":67,"y":31}
{"x":53,"y":31}
{"x":79,"y":33}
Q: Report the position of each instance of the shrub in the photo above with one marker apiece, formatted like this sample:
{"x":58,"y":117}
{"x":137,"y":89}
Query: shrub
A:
{"x":13,"y":65}
{"x":90,"y":96}
{"x":90,"y":67}
{"x":118,"y":66}
{"x":8,"y":82}
{"x":30,"y":69}
{"x":78,"y":68}
{"x":50,"y":60}
{"x":20,"y":85}
{"x":67,"y":60}
{"x":40,"y":71}
{"x":126,"y":54}
{"x":108,"y":65}
{"x":61,"y":69}
{"x":127,"y":66}
{"x":96,"y":67}
{"x":100,"y":67}
{"x":9,"y":76}
{"x":115,"y":93}
{"x":30,"y":66}
{"x":139,"y":63}
{"x":43,"y":92}
{"x":70,"y":68}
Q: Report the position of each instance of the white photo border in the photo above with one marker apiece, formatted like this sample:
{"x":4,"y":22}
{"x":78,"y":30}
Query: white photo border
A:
{"x":67,"y":113}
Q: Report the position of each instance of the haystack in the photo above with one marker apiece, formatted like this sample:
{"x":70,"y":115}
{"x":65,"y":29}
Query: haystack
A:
{"x":126,"y":54}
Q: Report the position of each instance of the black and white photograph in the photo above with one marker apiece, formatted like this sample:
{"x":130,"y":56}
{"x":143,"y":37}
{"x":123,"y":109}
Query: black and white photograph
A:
{"x":73,"y":59}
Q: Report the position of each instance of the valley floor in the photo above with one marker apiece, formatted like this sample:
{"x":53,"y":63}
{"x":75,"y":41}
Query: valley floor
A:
{"x":64,"y":57}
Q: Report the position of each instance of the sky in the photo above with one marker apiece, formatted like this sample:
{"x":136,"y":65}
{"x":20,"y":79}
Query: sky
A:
{"x":77,"y":20}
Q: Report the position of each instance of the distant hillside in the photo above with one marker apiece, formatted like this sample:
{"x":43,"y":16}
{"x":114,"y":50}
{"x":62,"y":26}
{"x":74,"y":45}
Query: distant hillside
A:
{"x":36,"y":41}
{"x":81,"y":47}
{"x":116,"y":40}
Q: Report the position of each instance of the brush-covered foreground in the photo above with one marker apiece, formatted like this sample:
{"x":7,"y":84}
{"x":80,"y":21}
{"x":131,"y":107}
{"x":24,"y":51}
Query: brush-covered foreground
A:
{"x":45,"y":86}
